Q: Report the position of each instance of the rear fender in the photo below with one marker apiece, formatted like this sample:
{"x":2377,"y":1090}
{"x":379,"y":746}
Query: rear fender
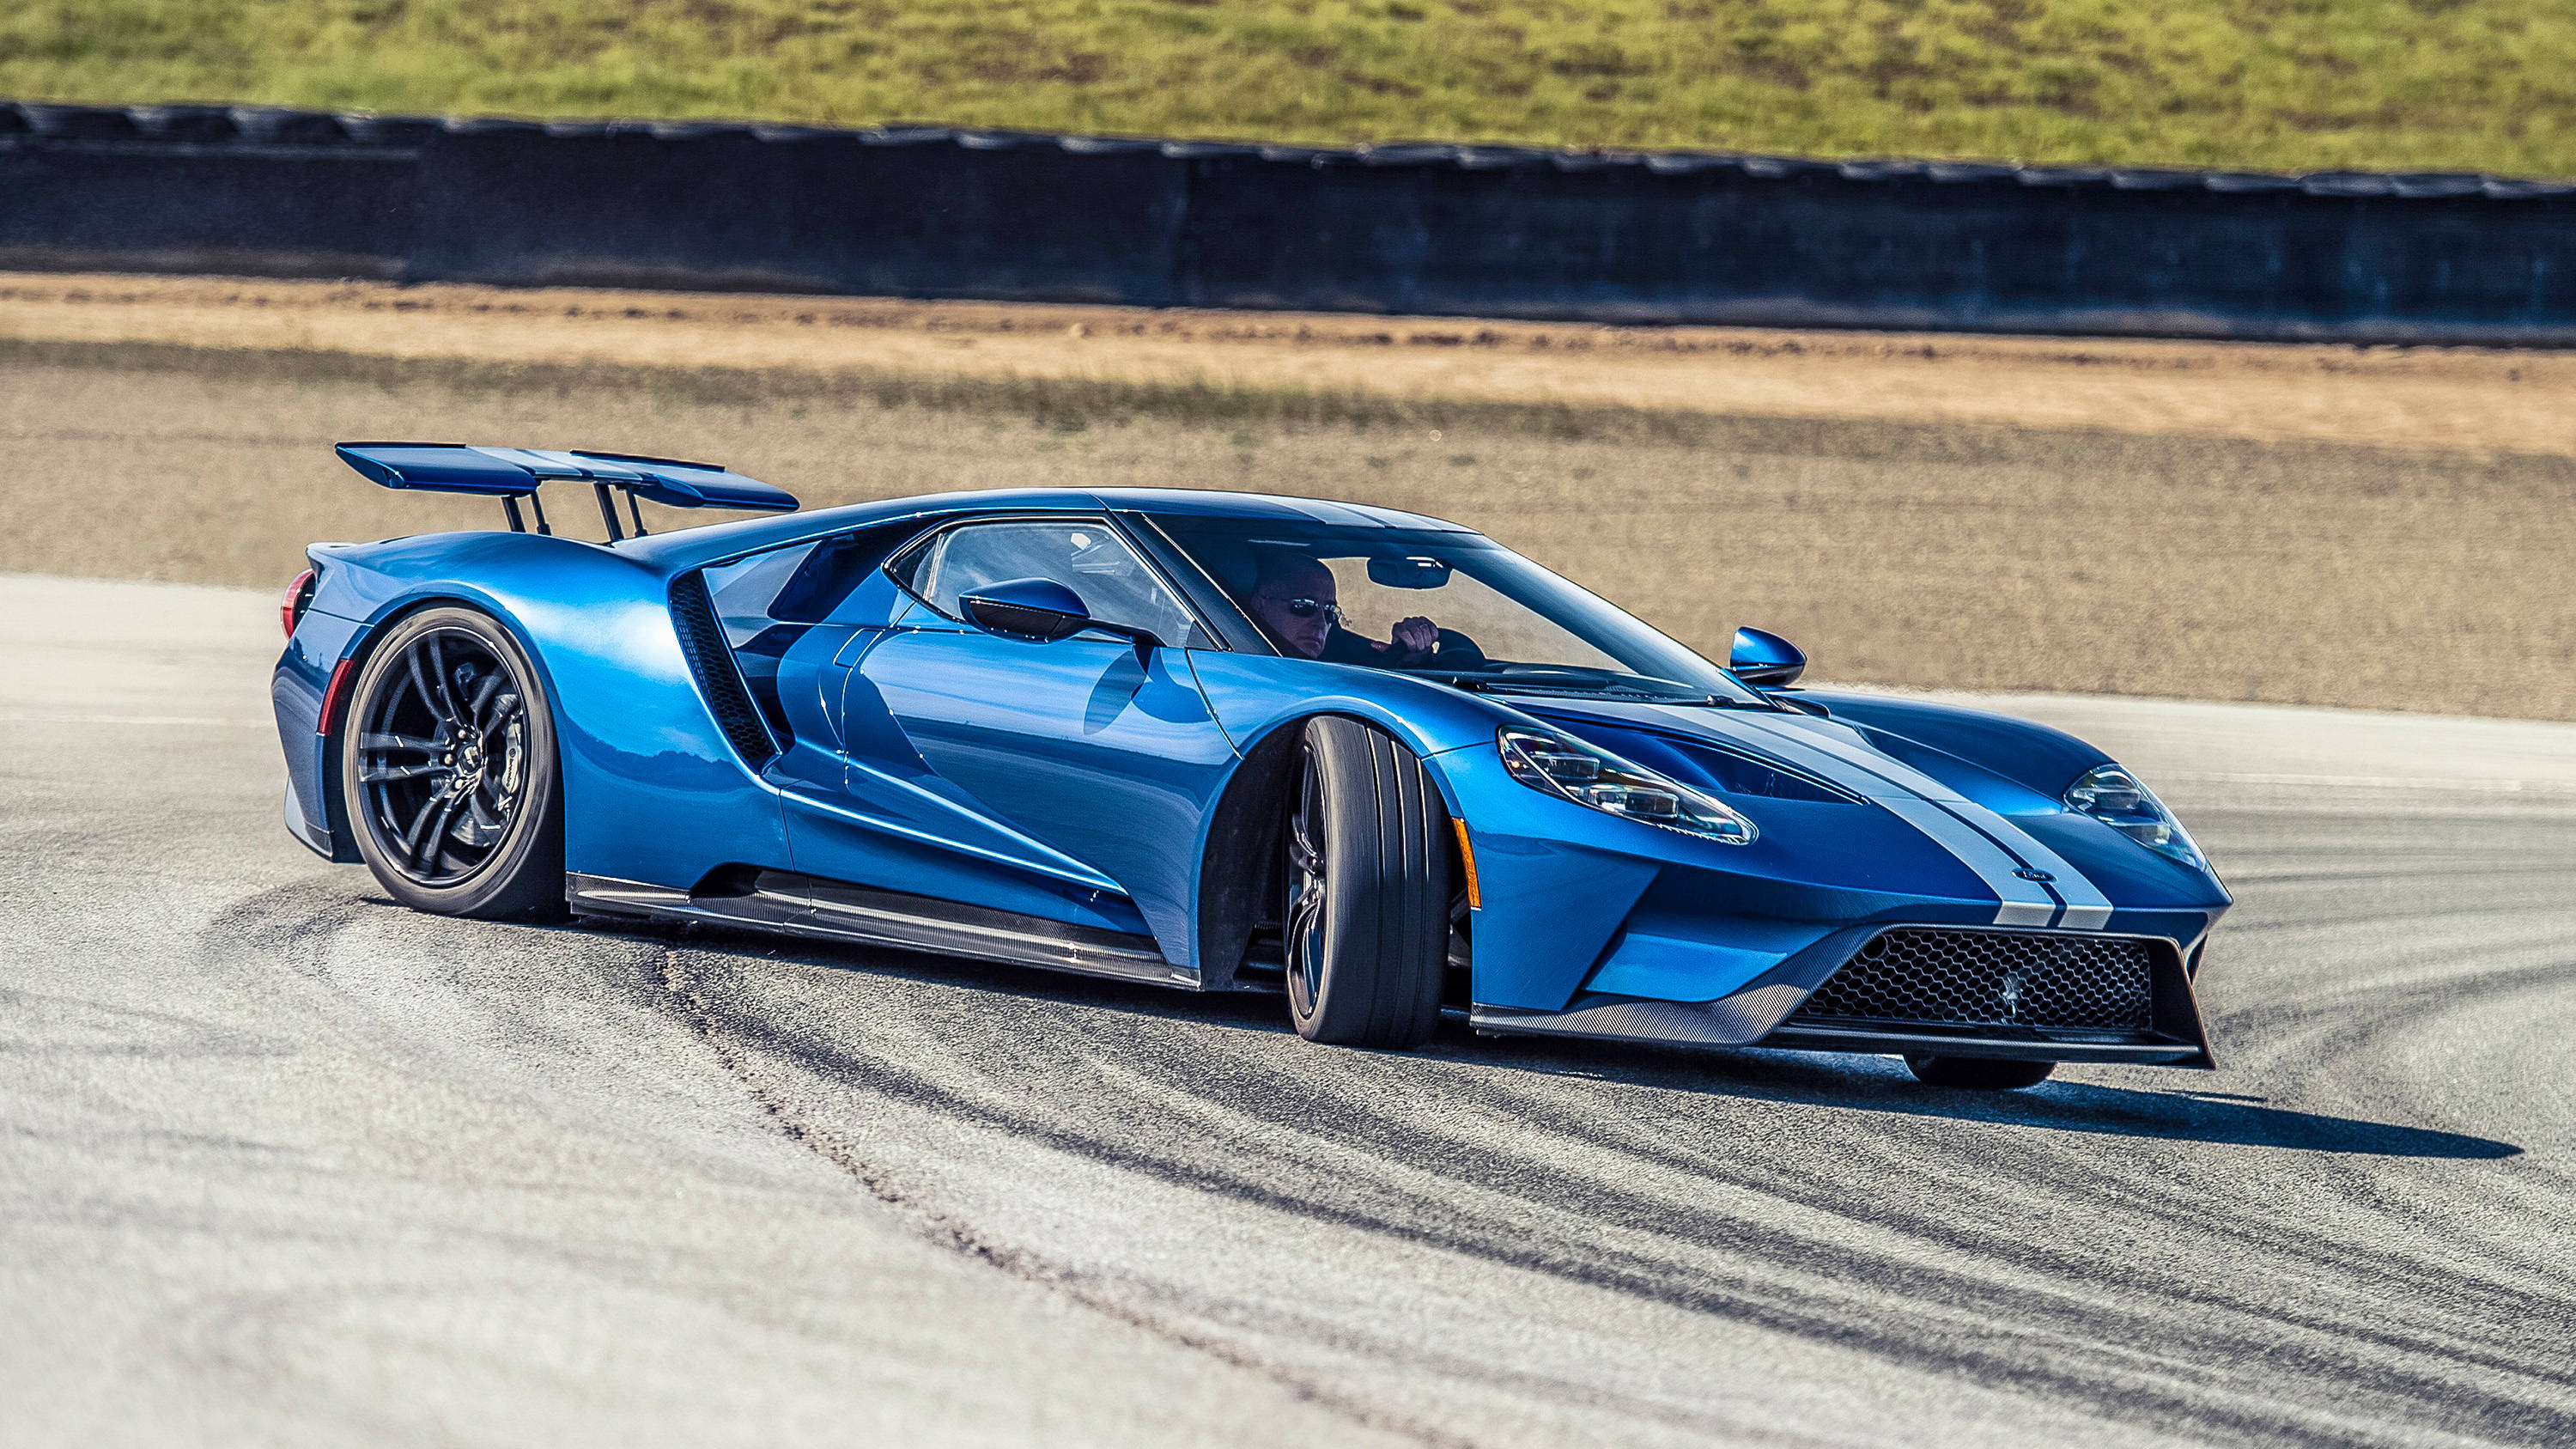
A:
{"x":641,"y":751}
{"x":297,"y":692}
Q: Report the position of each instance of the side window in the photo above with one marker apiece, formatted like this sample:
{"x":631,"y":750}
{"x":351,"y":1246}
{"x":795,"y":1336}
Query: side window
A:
{"x":766,"y":601}
{"x":1084,"y":555}
{"x":746,"y":591}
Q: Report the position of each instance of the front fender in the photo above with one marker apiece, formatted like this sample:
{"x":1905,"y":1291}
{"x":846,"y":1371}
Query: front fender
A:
{"x":1557,"y":880}
{"x":1252,"y":696}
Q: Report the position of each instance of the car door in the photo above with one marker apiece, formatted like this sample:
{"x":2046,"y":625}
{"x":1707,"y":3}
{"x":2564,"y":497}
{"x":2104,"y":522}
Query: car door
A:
{"x":1065,"y":779}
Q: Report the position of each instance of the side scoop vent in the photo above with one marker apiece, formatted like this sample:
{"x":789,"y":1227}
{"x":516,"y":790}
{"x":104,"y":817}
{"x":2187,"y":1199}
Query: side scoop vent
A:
{"x":711,"y":660}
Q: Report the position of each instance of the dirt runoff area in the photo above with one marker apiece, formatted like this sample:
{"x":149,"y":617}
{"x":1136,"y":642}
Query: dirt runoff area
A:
{"x":2384,"y":528}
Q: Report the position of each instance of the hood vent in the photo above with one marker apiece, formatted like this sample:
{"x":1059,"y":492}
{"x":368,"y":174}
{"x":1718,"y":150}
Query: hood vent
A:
{"x":1744,"y":775}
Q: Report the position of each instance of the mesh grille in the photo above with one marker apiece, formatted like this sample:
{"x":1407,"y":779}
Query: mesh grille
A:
{"x":703,"y":641}
{"x":1990,"y":978}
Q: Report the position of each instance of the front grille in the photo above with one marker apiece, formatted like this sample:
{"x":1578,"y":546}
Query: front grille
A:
{"x":702,"y":639}
{"x":1991,"y":978}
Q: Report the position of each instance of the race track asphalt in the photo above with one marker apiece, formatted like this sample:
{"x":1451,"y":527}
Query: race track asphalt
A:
{"x":281,"y":1163}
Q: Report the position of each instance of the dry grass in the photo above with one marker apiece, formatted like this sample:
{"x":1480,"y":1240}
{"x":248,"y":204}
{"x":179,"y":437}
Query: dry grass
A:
{"x":2450,"y":398}
{"x":1900,"y":550}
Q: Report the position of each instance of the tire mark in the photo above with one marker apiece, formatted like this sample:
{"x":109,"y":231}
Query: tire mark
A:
{"x":727,"y":1041}
{"x":2024,"y":1363}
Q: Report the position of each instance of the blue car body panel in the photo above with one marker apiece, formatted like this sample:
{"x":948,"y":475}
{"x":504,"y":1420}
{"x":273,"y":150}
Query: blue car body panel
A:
{"x":1114,"y":803}
{"x":1079,"y":782}
{"x":639,"y":748}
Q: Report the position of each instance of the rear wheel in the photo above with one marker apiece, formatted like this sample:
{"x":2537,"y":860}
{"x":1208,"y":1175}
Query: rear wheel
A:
{"x":447,"y":762}
{"x":1368,"y":891}
{"x":1982,"y":1074}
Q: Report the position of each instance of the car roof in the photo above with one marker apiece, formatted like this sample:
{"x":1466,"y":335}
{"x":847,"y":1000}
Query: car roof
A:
{"x":1208,"y":503}
{"x":688,"y":548}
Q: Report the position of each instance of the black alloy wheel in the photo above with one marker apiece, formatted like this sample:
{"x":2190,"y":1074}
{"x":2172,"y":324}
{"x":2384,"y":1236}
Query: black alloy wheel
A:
{"x":1367,"y":909}
{"x":1308,"y":882}
{"x":448,"y":771}
{"x":1978,"y":1074}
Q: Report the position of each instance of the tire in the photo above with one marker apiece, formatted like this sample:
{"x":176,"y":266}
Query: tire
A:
{"x":449,"y":771}
{"x":1979,"y":1074}
{"x":1367,"y":891}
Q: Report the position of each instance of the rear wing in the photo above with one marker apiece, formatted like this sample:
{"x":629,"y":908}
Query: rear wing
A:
{"x":511,"y":474}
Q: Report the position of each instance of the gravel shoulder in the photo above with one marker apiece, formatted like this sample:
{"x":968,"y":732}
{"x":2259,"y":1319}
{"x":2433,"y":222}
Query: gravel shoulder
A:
{"x":2444,"y":399}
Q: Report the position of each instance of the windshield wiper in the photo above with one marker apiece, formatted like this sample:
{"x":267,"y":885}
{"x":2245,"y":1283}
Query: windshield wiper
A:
{"x":1583,"y":689}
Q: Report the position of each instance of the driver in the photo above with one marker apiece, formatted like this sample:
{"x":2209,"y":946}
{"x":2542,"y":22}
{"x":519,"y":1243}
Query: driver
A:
{"x":1296,"y":599}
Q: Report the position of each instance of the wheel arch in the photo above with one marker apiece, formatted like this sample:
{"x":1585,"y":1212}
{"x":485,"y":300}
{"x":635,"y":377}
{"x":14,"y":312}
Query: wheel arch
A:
{"x":354,"y":657}
{"x":1239,"y":846}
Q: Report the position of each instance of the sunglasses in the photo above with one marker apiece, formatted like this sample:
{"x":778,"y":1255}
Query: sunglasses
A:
{"x":1308,"y":608}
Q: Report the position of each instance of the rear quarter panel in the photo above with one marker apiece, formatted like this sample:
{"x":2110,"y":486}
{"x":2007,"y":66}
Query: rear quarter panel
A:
{"x":652,"y":792}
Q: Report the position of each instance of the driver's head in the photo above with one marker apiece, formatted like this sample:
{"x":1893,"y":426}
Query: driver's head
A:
{"x":1294,"y":598}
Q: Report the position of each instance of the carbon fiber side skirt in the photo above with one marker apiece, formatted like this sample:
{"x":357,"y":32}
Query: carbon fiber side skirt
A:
{"x":826,"y":910}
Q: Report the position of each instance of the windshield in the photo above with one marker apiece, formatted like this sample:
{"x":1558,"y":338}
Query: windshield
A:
{"x":1456,"y":606}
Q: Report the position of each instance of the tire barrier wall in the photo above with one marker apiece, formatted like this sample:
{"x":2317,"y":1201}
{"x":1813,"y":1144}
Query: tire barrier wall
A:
{"x":1433,"y":229}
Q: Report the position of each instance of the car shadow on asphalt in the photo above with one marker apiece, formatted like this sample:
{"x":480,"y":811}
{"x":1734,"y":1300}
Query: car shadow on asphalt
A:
{"x":1880,"y":1084}
{"x":2179,"y":1113}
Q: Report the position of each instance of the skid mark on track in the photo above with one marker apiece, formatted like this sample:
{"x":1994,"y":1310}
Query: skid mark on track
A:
{"x":1821,"y":1199}
{"x":1978,"y":1242}
{"x":2052,"y":1323}
{"x":735,"y":1051}
{"x":58,"y":1025}
{"x":1989,"y":1333}
{"x":290,"y":926}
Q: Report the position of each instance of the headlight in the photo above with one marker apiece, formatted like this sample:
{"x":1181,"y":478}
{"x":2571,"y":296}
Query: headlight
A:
{"x":2114,"y":797}
{"x":1566,"y":767}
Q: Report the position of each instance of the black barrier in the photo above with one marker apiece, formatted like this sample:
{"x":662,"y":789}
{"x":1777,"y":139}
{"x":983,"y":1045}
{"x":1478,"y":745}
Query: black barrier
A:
{"x":1461,"y":230}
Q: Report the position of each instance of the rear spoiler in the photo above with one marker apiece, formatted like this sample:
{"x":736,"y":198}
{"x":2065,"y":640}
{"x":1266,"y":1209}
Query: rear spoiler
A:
{"x":511,"y":474}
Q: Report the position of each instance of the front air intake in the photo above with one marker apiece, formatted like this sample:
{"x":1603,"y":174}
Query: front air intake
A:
{"x":702,"y":640}
{"x":2045,"y":979}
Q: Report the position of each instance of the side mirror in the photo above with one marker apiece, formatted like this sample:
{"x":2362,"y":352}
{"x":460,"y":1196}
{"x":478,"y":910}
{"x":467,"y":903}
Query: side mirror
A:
{"x":1041,"y":611}
{"x":1765,"y":660}
{"x":1038,"y":610}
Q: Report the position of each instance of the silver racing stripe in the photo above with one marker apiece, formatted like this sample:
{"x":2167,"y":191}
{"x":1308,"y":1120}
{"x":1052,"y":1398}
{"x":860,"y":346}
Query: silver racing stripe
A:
{"x":2025,"y":902}
{"x":1985,"y":842}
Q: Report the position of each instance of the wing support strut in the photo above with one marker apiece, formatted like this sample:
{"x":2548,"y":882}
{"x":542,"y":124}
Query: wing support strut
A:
{"x":608,"y":511}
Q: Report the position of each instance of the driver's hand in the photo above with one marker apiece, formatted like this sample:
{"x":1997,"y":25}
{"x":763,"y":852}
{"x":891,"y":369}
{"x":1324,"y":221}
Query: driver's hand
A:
{"x":1417,"y":635}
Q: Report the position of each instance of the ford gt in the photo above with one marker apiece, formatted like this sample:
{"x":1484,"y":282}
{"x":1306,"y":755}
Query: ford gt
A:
{"x":1378,"y":764}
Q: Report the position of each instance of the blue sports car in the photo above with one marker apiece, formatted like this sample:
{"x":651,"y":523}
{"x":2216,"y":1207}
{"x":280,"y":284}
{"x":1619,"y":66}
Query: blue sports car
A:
{"x":1374,"y":762}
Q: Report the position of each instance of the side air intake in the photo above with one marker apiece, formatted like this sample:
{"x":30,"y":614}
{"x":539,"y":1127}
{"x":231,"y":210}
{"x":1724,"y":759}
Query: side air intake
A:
{"x":711,"y":660}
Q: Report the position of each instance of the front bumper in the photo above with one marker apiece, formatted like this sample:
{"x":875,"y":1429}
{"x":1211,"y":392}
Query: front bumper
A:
{"x":2159,"y":1026}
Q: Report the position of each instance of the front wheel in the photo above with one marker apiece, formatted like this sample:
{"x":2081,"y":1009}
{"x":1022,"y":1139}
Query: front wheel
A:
{"x":1981,"y":1074}
{"x":1368,"y":891}
{"x":447,"y":764}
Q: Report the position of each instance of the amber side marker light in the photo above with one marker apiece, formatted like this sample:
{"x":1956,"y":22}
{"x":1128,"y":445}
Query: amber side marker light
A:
{"x":1467,"y":854}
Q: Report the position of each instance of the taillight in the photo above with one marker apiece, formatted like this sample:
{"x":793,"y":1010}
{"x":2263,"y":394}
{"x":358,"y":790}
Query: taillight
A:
{"x":298,"y":595}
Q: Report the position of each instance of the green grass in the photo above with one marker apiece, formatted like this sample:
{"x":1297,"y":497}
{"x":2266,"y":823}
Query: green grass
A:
{"x":2270,"y":84}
